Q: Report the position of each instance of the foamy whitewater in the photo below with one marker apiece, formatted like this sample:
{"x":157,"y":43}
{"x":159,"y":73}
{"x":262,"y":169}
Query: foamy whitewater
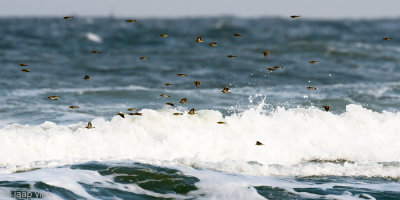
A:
{"x":350,"y":152}
{"x":294,"y":140}
{"x":297,"y":142}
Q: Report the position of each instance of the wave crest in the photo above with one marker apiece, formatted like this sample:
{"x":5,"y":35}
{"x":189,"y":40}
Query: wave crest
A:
{"x":290,"y":137}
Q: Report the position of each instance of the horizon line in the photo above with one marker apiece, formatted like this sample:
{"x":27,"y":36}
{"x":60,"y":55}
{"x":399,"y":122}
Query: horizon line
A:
{"x":202,"y":16}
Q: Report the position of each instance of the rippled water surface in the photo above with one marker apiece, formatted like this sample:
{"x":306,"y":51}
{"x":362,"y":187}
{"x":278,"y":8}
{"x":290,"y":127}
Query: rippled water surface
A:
{"x":350,"y":152}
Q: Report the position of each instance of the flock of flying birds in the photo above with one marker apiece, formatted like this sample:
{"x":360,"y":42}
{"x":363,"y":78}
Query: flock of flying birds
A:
{"x":197,"y":83}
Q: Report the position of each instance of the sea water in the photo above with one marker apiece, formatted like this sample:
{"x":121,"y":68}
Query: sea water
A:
{"x":351,"y":152}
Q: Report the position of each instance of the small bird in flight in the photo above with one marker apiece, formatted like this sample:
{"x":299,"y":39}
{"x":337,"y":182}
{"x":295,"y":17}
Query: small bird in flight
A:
{"x":237,"y":34}
{"x":23,"y":65}
{"x":259,"y":143}
{"x":182,"y":74}
{"x":25,"y":70}
{"x":95,"y":52}
{"x":73,"y":107}
{"x":387,"y":38}
{"x":164,"y":35}
{"x":191,"y":111}
{"x":274,"y":68}
{"x":221,"y":122}
{"x":231,"y":56}
{"x":68,"y":17}
{"x":53,"y":97}
{"x":130,"y":20}
{"x":184,"y":100}
{"x":225,"y":90}
{"x":86,"y":77}
{"x":295,"y":16}
{"x":136,"y":113}
{"x":178,"y":113}
{"x":213,"y":44}
{"x":164,"y":95}
{"x":170,"y":104}
{"x":144,"y":58}
{"x":168,"y":84}
{"x":311,"y":88}
{"x":132,"y":109}
{"x":121,"y":114}
{"x":197,"y":83}
{"x":326,"y":108}
{"x":89,"y":125}
{"x":199,"y":40}
{"x":314,"y":62}
{"x":266,"y":54}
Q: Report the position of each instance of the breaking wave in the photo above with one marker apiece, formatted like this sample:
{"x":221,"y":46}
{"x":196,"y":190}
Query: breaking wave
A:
{"x":297,"y":141}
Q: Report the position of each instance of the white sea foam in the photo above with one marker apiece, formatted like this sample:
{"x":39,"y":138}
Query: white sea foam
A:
{"x":93,"y":37}
{"x":35,"y":92}
{"x":290,"y":136}
{"x":71,"y":180}
{"x":211,"y":185}
{"x":216,"y":185}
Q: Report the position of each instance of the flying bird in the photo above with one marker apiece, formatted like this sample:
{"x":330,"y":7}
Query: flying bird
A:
{"x":314,"y":62}
{"x":96,"y":52}
{"x":199,"y":40}
{"x":23,"y":65}
{"x":326,"y":108}
{"x":164,"y":95}
{"x":237,"y":35}
{"x":184,"y":100}
{"x":53,"y":97}
{"x":191,"y":111}
{"x":68,"y":17}
{"x":266,"y":54}
{"x":182,"y":74}
{"x":168,"y":84}
{"x":197,"y":83}
{"x":73,"y":107}
{"x":225,"y":90}
{"x":86,"y":77}
{"x":144,"y":58}
{"x":274,"y":68}
{"x":136,"y":113}
{"x":164,"y":35}
{"x":259,"y":143}
{"x":89,"y":125}
{"x":295,"y":16}
{"x":387,"y":38}
{"x":121,"y":114}
{"x":132,"y":109}
{"x":170,"y":104}
{"x":311,"y":88}
{"x":25,"y":70}
{"x":231,"y":56}
{"x":213,"y":44}
{"x":130,"y":20}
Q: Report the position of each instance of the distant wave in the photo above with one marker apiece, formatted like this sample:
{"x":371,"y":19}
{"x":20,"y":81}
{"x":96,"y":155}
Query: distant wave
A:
{"x":296,"y":142}
{"x":93,"y":37}
{"x":35,"y":92}
{"x":374,"y":89}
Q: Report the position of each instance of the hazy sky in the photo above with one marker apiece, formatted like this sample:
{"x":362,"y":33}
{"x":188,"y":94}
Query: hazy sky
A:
{"x":179,"y":8}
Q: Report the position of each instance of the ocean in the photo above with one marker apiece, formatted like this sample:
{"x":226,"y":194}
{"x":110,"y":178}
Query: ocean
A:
{"x":350,"y":152}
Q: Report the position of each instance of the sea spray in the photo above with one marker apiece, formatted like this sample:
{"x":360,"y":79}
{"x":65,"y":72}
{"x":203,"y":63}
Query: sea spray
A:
{"x":363,"y":139}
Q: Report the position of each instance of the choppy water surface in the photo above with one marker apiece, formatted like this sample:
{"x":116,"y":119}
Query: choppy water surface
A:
{"x":349,"y":153}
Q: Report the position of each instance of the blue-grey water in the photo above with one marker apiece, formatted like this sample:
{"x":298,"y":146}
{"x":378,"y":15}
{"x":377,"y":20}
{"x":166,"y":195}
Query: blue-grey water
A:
{"x":351,"y":152}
